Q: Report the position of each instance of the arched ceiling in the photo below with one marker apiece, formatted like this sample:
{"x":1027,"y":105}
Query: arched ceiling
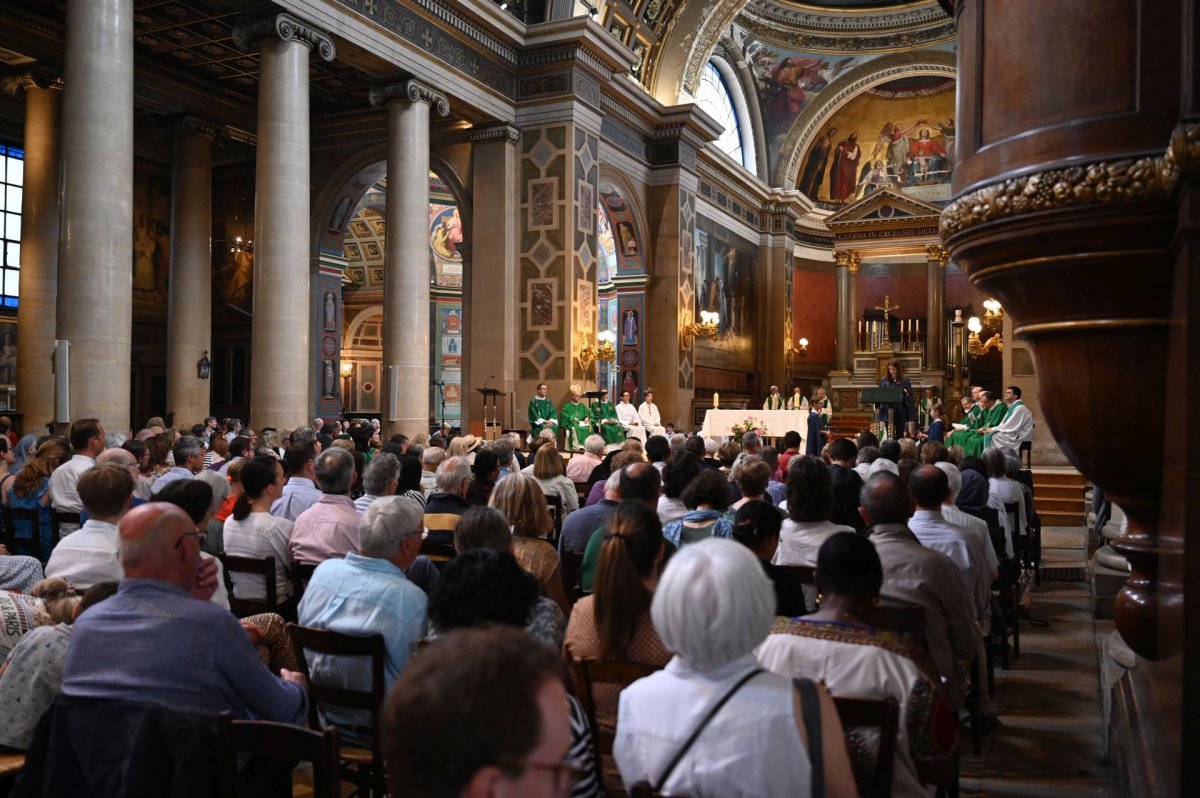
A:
{"x":674,"y":38}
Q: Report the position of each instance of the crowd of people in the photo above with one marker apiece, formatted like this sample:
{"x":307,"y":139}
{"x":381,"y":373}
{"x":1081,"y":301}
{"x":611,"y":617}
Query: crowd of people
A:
{"x":684,"y":547}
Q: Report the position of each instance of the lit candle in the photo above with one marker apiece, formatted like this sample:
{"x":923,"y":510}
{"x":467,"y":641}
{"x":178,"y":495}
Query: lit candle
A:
{"x":716,"y":400}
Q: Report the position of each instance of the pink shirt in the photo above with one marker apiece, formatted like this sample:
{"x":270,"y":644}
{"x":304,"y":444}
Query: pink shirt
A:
{"x":325,"y":531}
{"x":581,"y":467}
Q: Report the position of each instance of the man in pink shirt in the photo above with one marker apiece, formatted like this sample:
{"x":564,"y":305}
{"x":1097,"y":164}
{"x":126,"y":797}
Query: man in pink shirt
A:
{"x":581,"y":466}
{"x":329,"y":528}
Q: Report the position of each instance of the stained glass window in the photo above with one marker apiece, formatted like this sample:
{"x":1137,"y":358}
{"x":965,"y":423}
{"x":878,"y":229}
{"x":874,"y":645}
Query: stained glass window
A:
{"x":12,"y":182}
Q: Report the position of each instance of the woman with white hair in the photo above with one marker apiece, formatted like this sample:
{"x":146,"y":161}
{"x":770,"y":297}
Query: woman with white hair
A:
{"x":713,"y":722}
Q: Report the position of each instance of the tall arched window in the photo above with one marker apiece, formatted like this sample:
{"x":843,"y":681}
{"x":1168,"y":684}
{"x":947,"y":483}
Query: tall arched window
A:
{"x":721,"y":98}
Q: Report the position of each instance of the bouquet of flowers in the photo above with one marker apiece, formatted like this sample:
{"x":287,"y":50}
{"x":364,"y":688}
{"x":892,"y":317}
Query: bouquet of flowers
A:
{"x":751,"y":424}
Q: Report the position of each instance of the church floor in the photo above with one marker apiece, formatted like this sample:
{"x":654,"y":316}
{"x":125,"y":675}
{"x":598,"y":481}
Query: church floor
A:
{"x":1051,"y":738}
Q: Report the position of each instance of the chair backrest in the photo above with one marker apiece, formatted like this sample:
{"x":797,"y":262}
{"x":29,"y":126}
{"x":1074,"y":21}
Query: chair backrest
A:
{"x":885,"y":716}
{"x":265,"y":740}
{"x":1013,"y":511}
{"x":804,"y":573}
{"x":439,"y":553}
{"x":301,"y":574}
{"x":34,"y":542}
{"x":555,"y":505}
{"x":261,"y":566}
{"x":590,"y":672}
{"x":571,"y":566}
{"x":906,"y":620}
{"x":64,"y":517}
{"x":582,"y":489}
{"x":337,"y":644}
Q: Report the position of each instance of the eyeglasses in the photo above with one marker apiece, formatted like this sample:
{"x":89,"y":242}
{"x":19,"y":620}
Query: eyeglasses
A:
{"x":199,"y":536}
{"x":566,"y":773}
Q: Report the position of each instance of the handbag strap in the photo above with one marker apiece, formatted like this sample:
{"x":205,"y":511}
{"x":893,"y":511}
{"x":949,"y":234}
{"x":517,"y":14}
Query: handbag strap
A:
{"x":810,"y":711}
{"x":675,"y":760}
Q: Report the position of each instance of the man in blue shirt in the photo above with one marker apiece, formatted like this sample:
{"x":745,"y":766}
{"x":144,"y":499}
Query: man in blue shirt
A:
{"x":365,"y":594}
{"x":161,"y":641}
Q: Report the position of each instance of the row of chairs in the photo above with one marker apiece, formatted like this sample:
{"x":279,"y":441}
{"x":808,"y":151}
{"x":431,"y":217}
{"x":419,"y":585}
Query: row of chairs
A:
{"x":32,"y":546}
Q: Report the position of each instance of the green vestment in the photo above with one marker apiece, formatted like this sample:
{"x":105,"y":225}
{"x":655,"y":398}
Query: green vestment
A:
{"x":577,"y":424}
{"x":610,"y":428}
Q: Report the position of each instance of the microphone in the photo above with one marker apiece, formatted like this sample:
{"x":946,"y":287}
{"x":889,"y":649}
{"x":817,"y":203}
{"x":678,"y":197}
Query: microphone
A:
{"x":437,"y":382}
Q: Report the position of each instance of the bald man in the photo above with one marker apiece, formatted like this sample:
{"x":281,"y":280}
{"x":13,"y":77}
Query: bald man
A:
{"x":162,"y":641}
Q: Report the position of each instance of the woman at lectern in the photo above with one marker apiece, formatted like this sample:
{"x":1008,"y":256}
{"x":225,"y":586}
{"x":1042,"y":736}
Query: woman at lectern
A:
{"x":906,"y":410}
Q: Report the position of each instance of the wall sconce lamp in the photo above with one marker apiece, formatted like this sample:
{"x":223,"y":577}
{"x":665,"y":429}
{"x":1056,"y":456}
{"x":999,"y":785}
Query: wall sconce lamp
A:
{"x":993,"y":314}
{"x":607,"y":350}
{"x":705,"y":328}
{"x":347,"y":368}
{"x":803,"y":350}
{"x":975,"y":347}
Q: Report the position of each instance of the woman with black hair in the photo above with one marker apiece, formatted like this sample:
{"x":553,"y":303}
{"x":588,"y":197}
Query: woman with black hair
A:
{"x":757,"y":526}
{"x":485,"y":472}
{"x":251,"y":531}
{"x":838,"y":647}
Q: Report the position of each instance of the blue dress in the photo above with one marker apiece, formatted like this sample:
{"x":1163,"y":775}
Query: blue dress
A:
{"x":22,"y":529}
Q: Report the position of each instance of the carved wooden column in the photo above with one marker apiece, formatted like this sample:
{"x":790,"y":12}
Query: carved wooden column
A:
{"x":935,"y":292}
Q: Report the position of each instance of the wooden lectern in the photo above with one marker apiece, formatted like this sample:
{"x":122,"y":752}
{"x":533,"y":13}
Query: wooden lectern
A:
{"x":491,"y":421}
{"x":885,"y":396}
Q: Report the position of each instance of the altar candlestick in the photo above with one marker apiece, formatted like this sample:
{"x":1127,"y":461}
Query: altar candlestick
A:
{"x":716,"y":400}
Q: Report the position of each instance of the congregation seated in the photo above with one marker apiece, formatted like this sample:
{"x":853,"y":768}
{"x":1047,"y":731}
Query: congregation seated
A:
{"x":195,"y":499}
{"x":752,"y":476}
{"x":502,"y":447}
{"x":30,"y":490}
{"x":431,"y":458}
{"x":449,"y":501}
{"x":548,"y":471}
{"x":409,"y":484}
{"x":776,"y":488}
{"x":328,"y":529}
{"x":808,"y":525}
{"x":18,"y":572}
{"x":757,"y":525}
{"x":522,"y":502}
{"x":707,"y":498}
{"x":31,"y":676}
{"x":88,"y":556}
{"x":914,"y":574}
{"x":658,"y":448}
{"x":160,"y":640}
{"x":580,"y":525}
{"x":968,"y":523}
{"x":48,"y":602}
{"x":838,"y":647}
{"x":251,"y":531}
{"x":189,"y":461}
{"x":613,"y":623}
{"x":490,"y":709}
{"x":846,"y":484}
{"x":581,"y":466}
{"x":629,"y":453}
{"x":639,"y":482}
{"x":300,"y":491}
{"x":381,"y":478}
{"x":86,"y":437}
{"x":712,"y":607}
{"x":678,"y":474}
{"x":485,"y":473}
{"x":367,"y":593}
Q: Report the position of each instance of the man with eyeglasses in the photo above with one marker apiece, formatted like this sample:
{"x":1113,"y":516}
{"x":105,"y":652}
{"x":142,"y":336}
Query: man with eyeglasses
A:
{"x":161,"y":641}
{"x":488,"y":706}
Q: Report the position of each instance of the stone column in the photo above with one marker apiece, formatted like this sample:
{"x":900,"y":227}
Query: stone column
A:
{"x":847,"y":267}
{"x":95,"y":265}
{"x":39,"y":246}
{"x":935,"y":333}
{"x":494,"y":289}
{"x":189,"y":313}
{"x":406,"y":273}
{"x":279,"y":351}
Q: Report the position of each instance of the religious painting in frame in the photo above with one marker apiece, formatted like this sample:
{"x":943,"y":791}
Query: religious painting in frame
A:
{"x":726,"y":283}
{"x":1022,"y":362}
{"x":8,"y":353}
{"x":586,"y":207}
{"x":541,"y":304}
{"x":541,"y":203}
{"x":585,"y":306}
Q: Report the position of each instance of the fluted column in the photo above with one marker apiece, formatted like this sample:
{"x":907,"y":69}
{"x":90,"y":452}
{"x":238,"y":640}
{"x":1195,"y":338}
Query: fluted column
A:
{"x":189,"y":302}
{"x":847,"y":267}
{"x":39,"y":245}
{"x":282,"y":236}
{"x":406,"y":271}
{"x":95,"y":265}
{"x":935,"y":333}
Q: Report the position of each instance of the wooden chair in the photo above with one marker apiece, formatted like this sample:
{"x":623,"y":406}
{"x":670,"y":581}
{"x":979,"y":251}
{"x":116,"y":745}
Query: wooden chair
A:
{"x":571,"y":566}
{"x":260,"y":566}
{"x":590,"y":672}
{"x":440,"y":554}
{"x":63,"y":517}
{"x":301,"y":575}
{"x":366,"y":764}
{"x":10,"y":766}
{"x":32,"y":544}
{"x":279,"y":742}
{"x":877,"y":714}
{"x":555,"y":506}
{"x":582,"y":489}
{"x":1025,"y":451}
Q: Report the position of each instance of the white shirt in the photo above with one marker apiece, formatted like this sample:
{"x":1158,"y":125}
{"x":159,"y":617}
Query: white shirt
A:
{"x":1004,"y":491}
{"x":63,"y":493}
{"x":298,"y":495}
{"x":750,"y":749}
{"x":936,"y":533}
{"x":260,"y":535}
{"x":650,"y":415}
{"x":88,"y":556}
{"x":174,"y":475}
{"x":628,"y":415}
{"x":799,"y":541}
{"x":670,"y":509}
{"x":973,"y":526}
{"x":1014,"y":429}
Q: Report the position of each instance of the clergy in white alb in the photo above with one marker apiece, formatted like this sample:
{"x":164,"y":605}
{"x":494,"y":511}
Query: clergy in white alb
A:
{"x":651,"y":418}
{"x":1017,"y":426}
{"x":629,"y":419}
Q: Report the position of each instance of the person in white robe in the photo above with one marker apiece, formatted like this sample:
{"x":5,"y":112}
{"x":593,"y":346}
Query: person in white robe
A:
{"x":651,"y":418}
{"x":630,"y":419}
{"x":1017,"y":426}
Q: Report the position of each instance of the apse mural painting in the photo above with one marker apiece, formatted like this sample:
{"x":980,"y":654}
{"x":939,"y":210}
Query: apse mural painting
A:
{"x":898,"y":135}
{"x":726,"y":283}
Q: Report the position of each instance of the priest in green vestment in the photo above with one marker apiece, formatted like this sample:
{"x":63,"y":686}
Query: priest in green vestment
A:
{"x":606,"y":416}
{"x":970,"y":423}
{"x":576,"y":421}
{"x":991,"y":416}
{"x":774,"y":401}
{"x":542,"y":414}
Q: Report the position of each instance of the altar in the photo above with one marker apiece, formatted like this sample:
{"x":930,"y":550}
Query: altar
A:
{"x":717,"y":423}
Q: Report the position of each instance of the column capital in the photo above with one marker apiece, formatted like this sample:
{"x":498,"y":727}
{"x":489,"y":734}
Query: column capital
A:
{"x":249,"y":33}
{"x":849,"y":258}
{"x":936,"y":252}
{"x":411,"y":91}
{"x":186,"y":125}
{"x":495,"y":133}
{"x":34,"y":78}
